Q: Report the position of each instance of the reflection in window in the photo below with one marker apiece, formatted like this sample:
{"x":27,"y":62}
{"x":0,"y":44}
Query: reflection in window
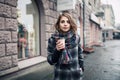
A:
{"x":28,"y":29}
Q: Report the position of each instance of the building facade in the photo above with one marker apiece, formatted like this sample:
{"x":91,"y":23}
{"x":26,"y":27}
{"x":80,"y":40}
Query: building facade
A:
{"x":92,"y":24}
{"x":109,"y":22}
{"x":25,"y":26}
{"x":109,"y":18}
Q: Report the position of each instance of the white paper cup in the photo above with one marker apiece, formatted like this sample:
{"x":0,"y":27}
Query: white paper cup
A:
{"x":63,"y":40}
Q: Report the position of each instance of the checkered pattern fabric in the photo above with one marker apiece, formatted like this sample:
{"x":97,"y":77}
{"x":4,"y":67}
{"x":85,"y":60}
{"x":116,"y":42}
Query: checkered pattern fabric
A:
{"x":73,"y":70}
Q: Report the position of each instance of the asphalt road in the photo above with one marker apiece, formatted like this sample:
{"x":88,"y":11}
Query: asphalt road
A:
{"x":104,"y":64}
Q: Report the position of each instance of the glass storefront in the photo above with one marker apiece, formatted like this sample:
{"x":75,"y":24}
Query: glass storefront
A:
{"x":28,"y":29}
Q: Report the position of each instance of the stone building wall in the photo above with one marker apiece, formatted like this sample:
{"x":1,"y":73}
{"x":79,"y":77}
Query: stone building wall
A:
{"x":8,"y":35}
{"x":87,"y":24}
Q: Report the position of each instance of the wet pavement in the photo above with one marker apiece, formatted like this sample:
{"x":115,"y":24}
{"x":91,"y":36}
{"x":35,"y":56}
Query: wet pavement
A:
{"x":103,"y":64}
{"x":42,"y":71}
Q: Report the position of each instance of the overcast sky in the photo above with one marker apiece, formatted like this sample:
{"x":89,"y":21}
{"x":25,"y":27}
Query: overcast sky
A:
{"x":116,"y":8}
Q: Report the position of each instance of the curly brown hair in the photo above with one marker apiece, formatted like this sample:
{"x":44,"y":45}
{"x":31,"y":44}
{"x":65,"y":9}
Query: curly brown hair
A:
{"x":73,"y":26}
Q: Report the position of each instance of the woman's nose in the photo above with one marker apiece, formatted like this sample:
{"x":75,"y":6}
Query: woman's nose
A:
{"x":65,"y":23}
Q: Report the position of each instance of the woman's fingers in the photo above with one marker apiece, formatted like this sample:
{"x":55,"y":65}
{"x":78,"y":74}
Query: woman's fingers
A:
{"x":60,"y":44}
{"x":61,"y":47}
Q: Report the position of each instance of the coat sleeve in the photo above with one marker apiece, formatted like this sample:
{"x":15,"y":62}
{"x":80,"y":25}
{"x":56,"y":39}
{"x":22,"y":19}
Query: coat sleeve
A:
{"x":80,"y":55}
{"x":53,"y":54}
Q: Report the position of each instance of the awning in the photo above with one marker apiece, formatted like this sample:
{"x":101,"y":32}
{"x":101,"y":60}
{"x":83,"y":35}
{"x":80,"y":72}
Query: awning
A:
{"x":94,"y":18}
{"x":116,"y":30}
{"x":107,"y":27}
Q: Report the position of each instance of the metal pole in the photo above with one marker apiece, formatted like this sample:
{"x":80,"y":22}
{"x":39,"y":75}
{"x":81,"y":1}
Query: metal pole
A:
{"x":83,"y":24}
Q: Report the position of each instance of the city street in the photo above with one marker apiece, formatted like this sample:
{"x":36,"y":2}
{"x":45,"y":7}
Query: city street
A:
{"x":103,"y":64}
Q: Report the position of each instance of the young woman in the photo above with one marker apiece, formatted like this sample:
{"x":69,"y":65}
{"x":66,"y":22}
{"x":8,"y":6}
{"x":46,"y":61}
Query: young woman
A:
{"x":64,"y":50}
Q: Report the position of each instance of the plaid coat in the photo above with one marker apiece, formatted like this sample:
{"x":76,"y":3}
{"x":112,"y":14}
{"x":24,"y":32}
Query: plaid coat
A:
{"x":70,"y":71}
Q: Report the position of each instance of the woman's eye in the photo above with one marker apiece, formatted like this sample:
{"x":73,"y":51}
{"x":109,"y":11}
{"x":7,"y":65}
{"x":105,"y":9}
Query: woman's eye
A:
{"x":68,"y":21}
{"x":62,"y":21}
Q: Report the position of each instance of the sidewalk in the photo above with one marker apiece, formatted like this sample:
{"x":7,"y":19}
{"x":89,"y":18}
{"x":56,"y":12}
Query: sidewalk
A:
{"x":40,"y":71}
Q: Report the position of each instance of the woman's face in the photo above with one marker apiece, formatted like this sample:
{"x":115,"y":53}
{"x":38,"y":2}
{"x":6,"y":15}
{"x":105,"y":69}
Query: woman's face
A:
{"x":64,"y":24}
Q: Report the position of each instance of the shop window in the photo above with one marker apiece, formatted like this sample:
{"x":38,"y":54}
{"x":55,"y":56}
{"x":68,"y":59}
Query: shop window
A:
{"x":28,"y":29}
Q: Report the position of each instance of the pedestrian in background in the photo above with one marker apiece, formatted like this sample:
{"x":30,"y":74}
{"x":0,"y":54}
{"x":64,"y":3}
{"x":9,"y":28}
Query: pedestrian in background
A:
{"x":64,"y":50}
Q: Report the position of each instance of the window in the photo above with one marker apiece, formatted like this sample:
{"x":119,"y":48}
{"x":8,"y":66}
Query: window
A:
{"x":107,"y":34}
{"x":28,"y":29}
{"x":53,"y":7}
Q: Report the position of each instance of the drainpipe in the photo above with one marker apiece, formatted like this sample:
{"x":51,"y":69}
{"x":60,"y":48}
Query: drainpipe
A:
{"x":83,"y":24}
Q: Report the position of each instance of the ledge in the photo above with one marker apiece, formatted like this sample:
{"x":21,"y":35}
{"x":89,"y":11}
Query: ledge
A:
{"x":8,"y":71}
{"x":30,"y":62}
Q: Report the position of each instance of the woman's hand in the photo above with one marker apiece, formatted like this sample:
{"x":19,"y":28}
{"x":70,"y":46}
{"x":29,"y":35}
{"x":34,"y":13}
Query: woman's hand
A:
{"x":60,"y":44}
